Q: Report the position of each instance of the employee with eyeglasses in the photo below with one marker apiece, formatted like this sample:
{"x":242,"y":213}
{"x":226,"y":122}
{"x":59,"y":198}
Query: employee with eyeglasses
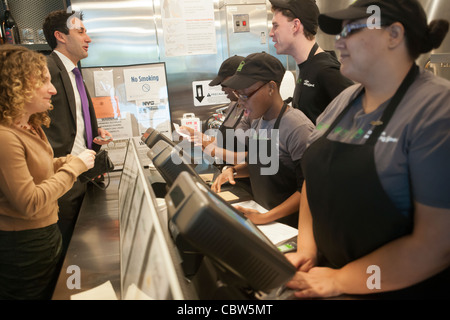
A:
{"x":375,"y":211}
{"x":277,"y":128}
{"x":225,"y":145}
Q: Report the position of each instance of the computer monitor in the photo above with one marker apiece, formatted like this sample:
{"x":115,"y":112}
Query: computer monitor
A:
{"x":202,"y":220}
{"x":170,"y":162}
{"x":151,"y":136}
{"x":188,"y":157}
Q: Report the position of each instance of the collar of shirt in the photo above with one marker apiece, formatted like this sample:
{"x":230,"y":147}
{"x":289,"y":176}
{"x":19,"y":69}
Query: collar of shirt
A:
{"x":68,"y":64}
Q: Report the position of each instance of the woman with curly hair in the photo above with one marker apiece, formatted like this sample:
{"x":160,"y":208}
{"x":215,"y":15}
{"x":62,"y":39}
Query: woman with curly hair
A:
{"x":31,"y":180}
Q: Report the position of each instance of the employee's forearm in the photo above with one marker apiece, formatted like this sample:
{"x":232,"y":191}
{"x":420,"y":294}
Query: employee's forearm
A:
{"x":406,"y":260}
{"x":241,"y":170}
{"x":394,"y":266}
{"x":226,"y":155}
{"x":208,"y":141}
{"x":305,"y":239}
{"x":287,"y":207}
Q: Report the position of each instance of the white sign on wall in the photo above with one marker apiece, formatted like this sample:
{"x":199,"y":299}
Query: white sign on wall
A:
{"x":205,"y":95}
{"x":188,"y":27}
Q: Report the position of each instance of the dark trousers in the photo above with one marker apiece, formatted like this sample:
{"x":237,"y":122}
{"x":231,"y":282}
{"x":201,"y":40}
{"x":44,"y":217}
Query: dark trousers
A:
{"x":28,"y":263}
{"x":69,"y":207}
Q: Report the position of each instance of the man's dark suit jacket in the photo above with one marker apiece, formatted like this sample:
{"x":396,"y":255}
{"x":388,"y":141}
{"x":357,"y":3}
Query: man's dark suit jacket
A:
{"x":62,"y":131}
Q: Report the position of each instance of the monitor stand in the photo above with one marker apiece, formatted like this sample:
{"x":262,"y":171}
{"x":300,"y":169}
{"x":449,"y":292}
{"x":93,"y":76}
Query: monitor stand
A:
{"x":212,"y":282}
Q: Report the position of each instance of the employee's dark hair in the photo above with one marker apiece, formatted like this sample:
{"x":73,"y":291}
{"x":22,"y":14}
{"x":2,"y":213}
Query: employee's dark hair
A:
{"x":57,"y":21}
{"x":291,"y":16}
{"x":436,"y":32}
{"x":434,"y":35}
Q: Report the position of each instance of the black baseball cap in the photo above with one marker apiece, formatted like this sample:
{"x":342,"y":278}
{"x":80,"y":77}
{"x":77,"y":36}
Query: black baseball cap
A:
{"x":227,"y":69}
{"x":408,"y":12}
{"x":305,"y":10}
{"x":256,"y":67}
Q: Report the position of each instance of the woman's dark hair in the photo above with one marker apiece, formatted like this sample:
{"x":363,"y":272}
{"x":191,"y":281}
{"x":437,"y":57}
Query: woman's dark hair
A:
{"x":437,"y":30}
{"x":431,"y":39}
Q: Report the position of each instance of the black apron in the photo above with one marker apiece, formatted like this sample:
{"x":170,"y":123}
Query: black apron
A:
{"x":352,"y":214}
{"x":271,"y":190}
{"x":299,"y":83}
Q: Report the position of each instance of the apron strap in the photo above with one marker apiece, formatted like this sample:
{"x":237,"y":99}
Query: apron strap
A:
{"x":230,"y":112}
{"x":313,"y":50}
{"x":387,"y":113}
{"x":239,"y":119}
{"x":277,"y":123}
{"x":392,"y":106}
{"x":235,"y":105}
{"x":280,"y":115}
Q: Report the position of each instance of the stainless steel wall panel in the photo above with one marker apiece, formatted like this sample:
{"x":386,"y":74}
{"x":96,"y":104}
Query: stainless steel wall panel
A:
{"x":244,"y":43}
{"x":183,"y":70}
{"x":122,"y":32}
{"x":437,"y":9}
{"x":327,"y":41}
{"x":130,"y":32}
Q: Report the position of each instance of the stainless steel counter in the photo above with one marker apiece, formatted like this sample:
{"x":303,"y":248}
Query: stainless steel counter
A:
{"x":94,"y":247}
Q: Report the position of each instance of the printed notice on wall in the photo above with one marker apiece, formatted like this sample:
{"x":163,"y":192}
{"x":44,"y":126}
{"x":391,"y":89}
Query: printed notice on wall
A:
{"x":144,"y":83}
{"x":188,"y":27}
{"x":127,"y":101}
{"x":204,"y":94}
{"x":147,"y":89}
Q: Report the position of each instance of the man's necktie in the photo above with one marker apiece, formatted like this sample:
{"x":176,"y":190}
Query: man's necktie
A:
{"x":85,"y":106}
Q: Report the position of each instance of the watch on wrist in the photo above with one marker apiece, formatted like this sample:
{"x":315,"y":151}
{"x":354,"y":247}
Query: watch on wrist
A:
{"x":229,"y":167}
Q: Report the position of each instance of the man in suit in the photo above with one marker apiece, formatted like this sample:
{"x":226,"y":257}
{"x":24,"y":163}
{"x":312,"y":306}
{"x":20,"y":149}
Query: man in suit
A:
{"x":68,"y":132}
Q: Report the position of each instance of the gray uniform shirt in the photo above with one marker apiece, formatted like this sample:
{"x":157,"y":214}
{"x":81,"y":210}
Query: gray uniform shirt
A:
{"x":412,"y":155}
{"x":294,"y":132}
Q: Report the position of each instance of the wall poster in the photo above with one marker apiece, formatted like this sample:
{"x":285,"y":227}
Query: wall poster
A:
{"x":188,"y":27}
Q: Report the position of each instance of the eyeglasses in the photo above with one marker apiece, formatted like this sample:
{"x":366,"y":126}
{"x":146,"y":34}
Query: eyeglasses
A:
{"x":350,"y":29}
{"x":245,"y":97}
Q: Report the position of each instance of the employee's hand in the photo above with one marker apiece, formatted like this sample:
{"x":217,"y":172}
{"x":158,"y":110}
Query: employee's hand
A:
{"x":224,"y":177}
{"x":317,"y":282}
{"x":254,"y":215}
{"x":302,"y":260}
{"x":188,"y":130}
{"x":197,"y":137}
{"x":88,"y":157}
{"x":194,"y":136}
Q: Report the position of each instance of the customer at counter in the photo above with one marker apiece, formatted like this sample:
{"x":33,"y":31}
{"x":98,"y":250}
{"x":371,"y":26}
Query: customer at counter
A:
{"x":70,"y":131}
{"x":234,"y":118}
{"x":31,"y":180}
{"x":294,"y":26}
{"x":256,"y":83}
{"x":375,"y":195}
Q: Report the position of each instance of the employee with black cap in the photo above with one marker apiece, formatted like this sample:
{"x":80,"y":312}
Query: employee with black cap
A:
{"x":294,"y":26}
{"x":375,"y":208}
{"x":283,"y":130}
{"x":234,"y":117}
